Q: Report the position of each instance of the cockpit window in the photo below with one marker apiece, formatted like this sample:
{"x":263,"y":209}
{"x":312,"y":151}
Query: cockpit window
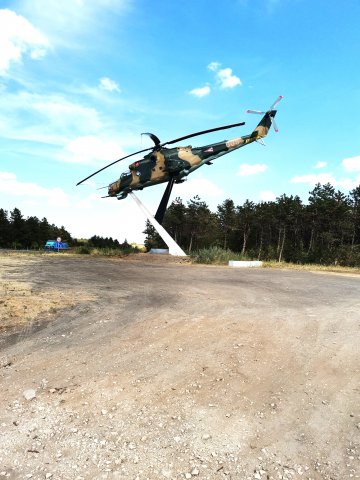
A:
{"x":126,"y":174}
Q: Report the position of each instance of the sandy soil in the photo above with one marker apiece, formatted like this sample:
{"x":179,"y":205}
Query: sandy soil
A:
{"x":151,"y":368}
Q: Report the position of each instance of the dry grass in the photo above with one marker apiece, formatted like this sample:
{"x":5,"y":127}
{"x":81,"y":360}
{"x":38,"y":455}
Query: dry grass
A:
{"x":21,"y":304}
{"x":312,"y":267}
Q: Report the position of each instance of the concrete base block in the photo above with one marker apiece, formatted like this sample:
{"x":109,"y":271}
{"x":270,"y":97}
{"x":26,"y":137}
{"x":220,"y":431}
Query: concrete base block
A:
{"x":242,"y":264}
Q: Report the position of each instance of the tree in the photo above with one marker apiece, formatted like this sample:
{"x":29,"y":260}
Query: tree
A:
{"x":330,"y":222}
{"x":226,"y":217}
{"x":289,"y":219}
{"x":264,"y":225}
{"x":174,"y":221}
{"x":355,"y":215}
{"x":17,"y":230}
{"x":327,"y":230}
{"x":152,"y":239}
{"x":45,"y":230}
{"x":4,"y":229}
{"x":32,"y":237}
{"x":200,"y":224}
{"x":245,"y":221}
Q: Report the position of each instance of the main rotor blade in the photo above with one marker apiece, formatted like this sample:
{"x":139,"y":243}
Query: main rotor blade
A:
{"x":153,"y":137}
{"x":202,"y":133}
{"x":113,"y":163}
{"x":157,"y":146}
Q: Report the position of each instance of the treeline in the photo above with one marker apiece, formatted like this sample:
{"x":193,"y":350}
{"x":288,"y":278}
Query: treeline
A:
{"x":107,"y":242}
{"x":326,"y":230}
{"x":17,"y":232}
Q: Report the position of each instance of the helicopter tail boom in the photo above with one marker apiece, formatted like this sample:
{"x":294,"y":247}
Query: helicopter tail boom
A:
{"x":264,"y":125}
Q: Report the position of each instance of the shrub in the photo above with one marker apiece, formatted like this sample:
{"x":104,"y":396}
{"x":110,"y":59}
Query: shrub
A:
{"x":216,"y":255}
{"x":83,"y":250}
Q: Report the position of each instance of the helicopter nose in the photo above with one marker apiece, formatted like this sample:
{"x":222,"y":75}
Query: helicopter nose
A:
{"x":114,"y":188}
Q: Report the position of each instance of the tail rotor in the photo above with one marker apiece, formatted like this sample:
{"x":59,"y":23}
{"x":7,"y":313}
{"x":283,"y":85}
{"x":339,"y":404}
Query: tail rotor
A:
{"x":270,"y":112}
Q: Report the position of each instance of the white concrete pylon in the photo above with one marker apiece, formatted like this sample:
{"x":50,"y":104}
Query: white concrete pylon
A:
{"x":174,"y":248}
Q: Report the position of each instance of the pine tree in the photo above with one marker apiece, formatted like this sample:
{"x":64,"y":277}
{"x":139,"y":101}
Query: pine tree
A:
{"x":4,"y":229}
{"x":17,"y":230}
{"x":226,"y":217}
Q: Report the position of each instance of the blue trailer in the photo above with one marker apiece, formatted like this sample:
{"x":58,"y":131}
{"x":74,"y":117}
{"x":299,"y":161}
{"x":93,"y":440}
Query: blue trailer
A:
{"x":55,"y":246}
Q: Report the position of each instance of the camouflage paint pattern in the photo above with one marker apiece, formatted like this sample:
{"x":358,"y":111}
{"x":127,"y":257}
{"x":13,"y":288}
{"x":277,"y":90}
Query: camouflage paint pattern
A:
{"x":162,"y":164}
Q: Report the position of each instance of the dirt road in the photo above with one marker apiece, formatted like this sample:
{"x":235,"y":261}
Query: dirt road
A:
{"x":146,"y":368}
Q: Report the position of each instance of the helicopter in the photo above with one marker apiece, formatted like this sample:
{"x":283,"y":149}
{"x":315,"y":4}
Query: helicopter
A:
{"x":173,"y":165}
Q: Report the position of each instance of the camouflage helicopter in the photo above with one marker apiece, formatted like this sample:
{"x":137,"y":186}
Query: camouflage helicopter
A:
{"x":173,"y":165}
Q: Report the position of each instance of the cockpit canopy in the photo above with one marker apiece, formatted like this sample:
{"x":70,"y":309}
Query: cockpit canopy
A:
{"x":149,"y":158}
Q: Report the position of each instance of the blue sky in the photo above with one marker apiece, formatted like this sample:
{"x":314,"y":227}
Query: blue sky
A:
{"x":81,"y":79}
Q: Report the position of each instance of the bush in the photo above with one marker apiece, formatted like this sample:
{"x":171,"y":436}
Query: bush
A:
{"x":104,"y":252}
{"x":216,"y":255}
{"x":82,"y":250}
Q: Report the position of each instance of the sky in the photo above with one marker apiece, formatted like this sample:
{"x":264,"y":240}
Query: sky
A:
{"x":80,"y":80}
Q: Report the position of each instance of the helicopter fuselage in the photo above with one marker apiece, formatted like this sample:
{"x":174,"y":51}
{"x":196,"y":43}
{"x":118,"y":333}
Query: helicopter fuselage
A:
{"x":172,"y":165}
{"x":161,"y":165}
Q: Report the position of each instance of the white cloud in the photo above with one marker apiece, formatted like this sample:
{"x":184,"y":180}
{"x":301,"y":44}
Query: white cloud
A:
{"x":320,"y":164}
{"x":213,"y":66}
{"x":93,"y":215}
{"x":82,"y":215}
{"x":349,"y":183}
{"x":313,"y":178}
{"x":90,"y":149}
{"x":10,"y":185}
{"x":18,"y":37}
{"x":246,"y":169}
{"x":226,"y":79}
{"x":49,"y":119}
{"x":267,"y":196}
{"x":351,"y":164}
{"x":109,"y":85}
{"x":200,"y":92}
{"x":69,"y":23}
{"x":323,"y":178}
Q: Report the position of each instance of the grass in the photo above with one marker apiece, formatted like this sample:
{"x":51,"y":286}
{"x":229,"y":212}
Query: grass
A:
{"x":215,"y":256}
{"x":219,"y":256}
{"x":81,"y":250}
{"x":104,"y":252}
{"x":208,"y":256}
{"x":312,"y":267}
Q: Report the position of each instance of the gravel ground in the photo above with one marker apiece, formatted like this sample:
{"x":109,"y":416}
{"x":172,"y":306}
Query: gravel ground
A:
{"x":152,"y":368}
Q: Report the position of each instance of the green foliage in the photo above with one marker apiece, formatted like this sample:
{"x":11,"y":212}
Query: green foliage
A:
{"x":16,"y":232}
{"x":152,"y":239}
{"x":226,"y":223}
{"x":324,"y":231}
{"x":216,"y":255}
{"x":27,"y":233}
{"x":104,"y":252}
{"x":107,"y":242}
{"x":83,"y":250}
